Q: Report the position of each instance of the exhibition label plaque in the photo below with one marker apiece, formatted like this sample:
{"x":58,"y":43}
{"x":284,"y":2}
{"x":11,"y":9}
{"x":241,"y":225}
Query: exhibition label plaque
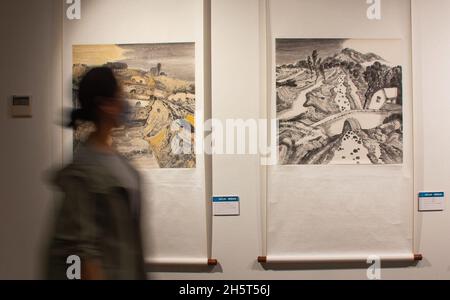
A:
{"x":431,"y":201}
{"x":226,"y":206}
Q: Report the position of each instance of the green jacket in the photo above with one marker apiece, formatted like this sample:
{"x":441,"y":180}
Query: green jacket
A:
{"x":95,"y":220}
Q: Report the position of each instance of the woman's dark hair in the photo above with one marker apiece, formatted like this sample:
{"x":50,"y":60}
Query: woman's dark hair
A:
{"x":97,"y":83}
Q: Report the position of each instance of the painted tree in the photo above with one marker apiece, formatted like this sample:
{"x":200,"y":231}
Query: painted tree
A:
{"x":310,"y":64}
{"x":375,"y":78}
{"x":322,"y":71}
{"x":314,"y":56}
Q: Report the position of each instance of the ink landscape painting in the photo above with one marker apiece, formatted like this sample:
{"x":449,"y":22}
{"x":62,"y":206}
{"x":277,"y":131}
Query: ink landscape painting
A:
{"x":339,"y":101}
{"x":158,"y":83}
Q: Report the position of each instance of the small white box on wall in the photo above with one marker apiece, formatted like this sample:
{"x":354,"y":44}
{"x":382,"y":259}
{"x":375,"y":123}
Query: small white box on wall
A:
{"x":20,"y":107}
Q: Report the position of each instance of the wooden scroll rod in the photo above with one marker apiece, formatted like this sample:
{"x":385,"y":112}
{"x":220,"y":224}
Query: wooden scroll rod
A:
{"x":209,"y":262}
{"x":263,"y":260}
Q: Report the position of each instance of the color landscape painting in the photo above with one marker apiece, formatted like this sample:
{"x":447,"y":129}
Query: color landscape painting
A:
{"x":339,"y":101}
{"x":158,"y":81}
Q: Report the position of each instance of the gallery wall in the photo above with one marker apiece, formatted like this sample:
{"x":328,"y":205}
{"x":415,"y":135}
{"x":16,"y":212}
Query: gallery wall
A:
{"x":29,"y":34}
{"x":29,"y":146}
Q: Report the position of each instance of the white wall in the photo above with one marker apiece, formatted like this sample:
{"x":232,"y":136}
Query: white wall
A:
{"x":27,"y":146}
{"x":28,"y":65}
{"x":431,"y":47}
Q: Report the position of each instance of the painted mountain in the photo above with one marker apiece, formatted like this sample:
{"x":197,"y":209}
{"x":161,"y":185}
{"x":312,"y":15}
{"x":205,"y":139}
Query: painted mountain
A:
{"x":159,"y":84}
{"x":336,"y":104}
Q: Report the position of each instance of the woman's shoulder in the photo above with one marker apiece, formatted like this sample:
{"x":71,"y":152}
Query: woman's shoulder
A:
{"x":94,"y":177}
{"x":127,"y":162}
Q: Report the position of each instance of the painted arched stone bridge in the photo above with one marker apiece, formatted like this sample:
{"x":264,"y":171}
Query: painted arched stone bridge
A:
{"x":354,"y":119}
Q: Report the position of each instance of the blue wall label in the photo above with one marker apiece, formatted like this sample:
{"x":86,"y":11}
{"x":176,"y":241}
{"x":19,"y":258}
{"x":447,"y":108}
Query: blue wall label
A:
{"x":431,"y":195}
{"x":225,"y":199}
{"x":431,"y":201}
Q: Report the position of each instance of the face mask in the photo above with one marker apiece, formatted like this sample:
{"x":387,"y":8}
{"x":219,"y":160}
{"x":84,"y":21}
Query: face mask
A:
{"x":125,"y":116}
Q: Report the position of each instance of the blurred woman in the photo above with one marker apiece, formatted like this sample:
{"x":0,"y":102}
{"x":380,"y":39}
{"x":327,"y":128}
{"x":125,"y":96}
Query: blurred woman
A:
{"x":98,"y":219}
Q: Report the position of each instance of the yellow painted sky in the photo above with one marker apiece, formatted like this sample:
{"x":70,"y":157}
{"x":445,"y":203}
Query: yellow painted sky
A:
{"x":97,"y":54}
